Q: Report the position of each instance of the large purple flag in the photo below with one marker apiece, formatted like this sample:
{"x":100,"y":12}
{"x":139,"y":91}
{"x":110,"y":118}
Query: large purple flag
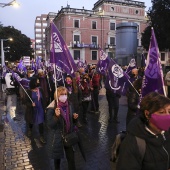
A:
{"x":153,"y":74}
{"x":103,"y":63}
{"x":59,"y":53}
{"x":117,"y":77}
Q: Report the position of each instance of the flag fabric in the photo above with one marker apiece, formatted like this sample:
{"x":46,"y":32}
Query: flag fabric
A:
{"x":103,"y":63}
{"x":21,"y":67}
{"x":59,"y":53}
{"x":153,"y":74}
{"x":81,"y":64}
{"x":116,"y":77}
{"x":23,"y":81}
{"x":126,"y":85}
{"x":131,"y":66}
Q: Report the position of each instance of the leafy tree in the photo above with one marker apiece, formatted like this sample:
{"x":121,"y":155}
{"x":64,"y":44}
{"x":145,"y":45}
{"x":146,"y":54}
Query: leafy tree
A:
{"x":19,"y":47}
{"x":159,"y":16}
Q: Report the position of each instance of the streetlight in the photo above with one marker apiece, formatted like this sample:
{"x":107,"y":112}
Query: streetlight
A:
{"x":12,"y":3}
{"x":2,"y":50}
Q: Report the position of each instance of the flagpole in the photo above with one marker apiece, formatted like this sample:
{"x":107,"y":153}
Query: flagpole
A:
{"x":54,"y":67}
{"x":25,"y":92}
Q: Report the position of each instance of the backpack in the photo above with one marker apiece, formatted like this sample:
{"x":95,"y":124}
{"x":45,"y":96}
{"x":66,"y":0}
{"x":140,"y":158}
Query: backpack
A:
{"x":116,"y":146}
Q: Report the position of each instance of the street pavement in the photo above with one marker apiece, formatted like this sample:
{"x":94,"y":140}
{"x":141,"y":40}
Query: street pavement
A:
{"x":18,"y":152}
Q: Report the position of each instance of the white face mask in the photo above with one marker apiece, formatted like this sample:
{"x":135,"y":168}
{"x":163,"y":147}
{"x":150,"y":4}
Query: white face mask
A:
{"x":62,"y":98}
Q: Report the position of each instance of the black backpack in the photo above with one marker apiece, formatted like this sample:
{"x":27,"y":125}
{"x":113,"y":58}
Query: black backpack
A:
{"x":116,"y":146}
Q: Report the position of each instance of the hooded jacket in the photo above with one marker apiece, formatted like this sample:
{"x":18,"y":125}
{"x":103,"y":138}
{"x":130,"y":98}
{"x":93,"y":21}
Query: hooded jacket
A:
{"x":157,"y":151}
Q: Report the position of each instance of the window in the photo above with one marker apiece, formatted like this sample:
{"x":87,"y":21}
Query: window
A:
{"x":112,"y":26}
{"x":94,"y":40}
{"x":76,"y":54}
{"x":76,"y":23}
{"x":94,"y":24}
{"x":94,"y":55}
{"x":112,"y":40}
{"x":76,"y":38}
{"x":162,"y":56}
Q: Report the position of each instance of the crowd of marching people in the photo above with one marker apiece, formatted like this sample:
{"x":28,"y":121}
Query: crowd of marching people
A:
{"x":59,"y":104}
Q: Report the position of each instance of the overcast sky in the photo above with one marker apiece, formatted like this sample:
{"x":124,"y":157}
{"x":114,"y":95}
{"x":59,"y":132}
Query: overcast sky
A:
{"x":23,"y":18}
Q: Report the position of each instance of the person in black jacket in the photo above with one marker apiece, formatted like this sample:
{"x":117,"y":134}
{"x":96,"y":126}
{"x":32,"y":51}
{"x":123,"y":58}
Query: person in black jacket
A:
{"x":133,"y":99}
{"x":60,"y":120}
{"x":152,"y":126}
{"x":35,"y":108}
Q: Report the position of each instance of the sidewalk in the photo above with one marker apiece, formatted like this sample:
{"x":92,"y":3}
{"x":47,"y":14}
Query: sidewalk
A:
{"x":20,"y":152}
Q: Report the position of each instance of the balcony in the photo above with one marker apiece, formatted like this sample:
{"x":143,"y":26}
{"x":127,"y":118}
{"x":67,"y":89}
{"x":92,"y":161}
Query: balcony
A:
{"x":110,"y":46}
{"x":83,"y":45}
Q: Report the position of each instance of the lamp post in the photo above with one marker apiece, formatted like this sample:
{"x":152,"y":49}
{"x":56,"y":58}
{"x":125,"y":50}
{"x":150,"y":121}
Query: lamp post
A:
{"x":12,"y":3}
{"x":2,"y":50}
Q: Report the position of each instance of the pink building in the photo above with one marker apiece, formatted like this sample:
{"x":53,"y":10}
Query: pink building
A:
{"x":84,"y":31}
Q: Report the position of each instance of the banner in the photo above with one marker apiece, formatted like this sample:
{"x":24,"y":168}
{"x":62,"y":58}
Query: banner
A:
{"x":59,"y":53}
{"x":153,"y":74}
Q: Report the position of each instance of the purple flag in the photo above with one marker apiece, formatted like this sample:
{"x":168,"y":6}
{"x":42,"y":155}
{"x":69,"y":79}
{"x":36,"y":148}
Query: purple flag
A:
{"x":103,"y":63}
{"x":81,"y":64}
{"x":23,"y":81}
{"x":131,"y":66}
{"x":117,"y":77}
{"x":21,"y":68}
{"x":153,"y":74}
{"x":59,"y":53}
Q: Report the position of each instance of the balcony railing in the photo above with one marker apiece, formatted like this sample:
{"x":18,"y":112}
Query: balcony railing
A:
{"x":83,"y":45}
{"x":110,"y":45}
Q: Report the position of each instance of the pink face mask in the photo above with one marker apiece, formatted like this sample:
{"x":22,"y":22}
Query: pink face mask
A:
{"x":162,"y":122}
{"x":62,"y":98}
{"x":69,"y":81}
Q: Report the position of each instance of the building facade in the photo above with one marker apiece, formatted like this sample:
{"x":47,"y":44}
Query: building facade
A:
{"x":85,"y":31}
{"x":39,"y":28}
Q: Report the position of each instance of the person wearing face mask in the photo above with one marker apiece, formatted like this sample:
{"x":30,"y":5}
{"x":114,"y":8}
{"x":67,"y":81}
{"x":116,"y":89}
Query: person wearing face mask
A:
{"x":152,"y":126}
{"x":60,"y":119}
{"x":34,"y":114}
{"x":74,"y":95}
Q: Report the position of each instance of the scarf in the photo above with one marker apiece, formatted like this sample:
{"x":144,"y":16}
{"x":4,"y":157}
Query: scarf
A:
{"x":64,"y":108}
{"x":37,"y":93}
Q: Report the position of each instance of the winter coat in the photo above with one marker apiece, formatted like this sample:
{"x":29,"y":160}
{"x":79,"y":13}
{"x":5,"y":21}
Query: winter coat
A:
{"x":29,"y":107}
{"x":133,"y":102}
{"x":55,"y":127}
{"x":157,"y":151}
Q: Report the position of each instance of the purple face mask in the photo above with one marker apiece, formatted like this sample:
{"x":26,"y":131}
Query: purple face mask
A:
{"x":162,"y":122}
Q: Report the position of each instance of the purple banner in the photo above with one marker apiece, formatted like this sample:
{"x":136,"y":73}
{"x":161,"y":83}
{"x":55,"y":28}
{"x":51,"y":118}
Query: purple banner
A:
{"x":59,"y":53}
{"x":23,"y":81}
{"x":117,"y":77}
{"x":153,"y":74}
{"x":103,"y":63}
